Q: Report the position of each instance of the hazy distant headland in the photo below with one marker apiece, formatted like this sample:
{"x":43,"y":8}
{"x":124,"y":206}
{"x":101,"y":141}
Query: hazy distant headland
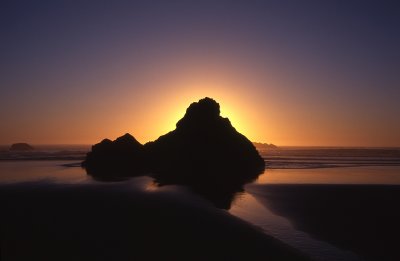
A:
{"x":204,"y":152}
{"x":260,"y":145}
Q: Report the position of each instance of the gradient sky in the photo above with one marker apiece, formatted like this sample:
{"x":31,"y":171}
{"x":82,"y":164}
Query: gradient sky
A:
{"x":319,"y":73}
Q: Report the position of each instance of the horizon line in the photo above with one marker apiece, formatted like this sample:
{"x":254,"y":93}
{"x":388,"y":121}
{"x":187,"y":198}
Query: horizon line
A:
{"x":279,"y":146}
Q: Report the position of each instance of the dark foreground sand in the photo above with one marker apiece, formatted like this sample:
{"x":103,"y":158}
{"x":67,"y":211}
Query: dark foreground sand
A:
{"x":118,"y":221}
{"x":362,"y":218}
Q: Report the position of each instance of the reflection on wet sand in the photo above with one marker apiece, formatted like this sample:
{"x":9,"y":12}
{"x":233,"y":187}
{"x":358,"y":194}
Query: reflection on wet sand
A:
{"x":247,"y":207}
{"x":124,"y":221}
{"x":360,"y":218}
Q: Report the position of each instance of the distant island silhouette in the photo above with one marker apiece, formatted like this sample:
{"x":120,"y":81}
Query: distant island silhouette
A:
{"x":265,"y":145}
{"x":21,"y":147}
{"x":204,"y":152}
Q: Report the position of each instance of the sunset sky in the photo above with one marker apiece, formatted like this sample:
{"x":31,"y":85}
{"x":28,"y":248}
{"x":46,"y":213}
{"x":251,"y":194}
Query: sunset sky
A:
{"x":318,"y":73}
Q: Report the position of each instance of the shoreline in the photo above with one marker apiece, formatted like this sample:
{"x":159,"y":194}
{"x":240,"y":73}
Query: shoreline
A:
{"x":120,"y":220}
{"x":281,"y":199}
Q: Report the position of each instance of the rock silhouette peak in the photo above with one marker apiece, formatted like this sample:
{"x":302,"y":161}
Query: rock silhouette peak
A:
{"x":204,"y":151}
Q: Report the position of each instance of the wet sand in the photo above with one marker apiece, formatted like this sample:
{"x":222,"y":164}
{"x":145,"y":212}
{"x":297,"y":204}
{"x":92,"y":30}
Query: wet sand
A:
{"x":364,"y":219}
{"x":123,"y":221}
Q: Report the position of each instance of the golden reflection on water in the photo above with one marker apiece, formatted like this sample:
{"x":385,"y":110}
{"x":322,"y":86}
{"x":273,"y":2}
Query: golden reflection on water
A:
{"x":343,"y":175}
{"x":26,"y":171}
{"x":152,"y":186}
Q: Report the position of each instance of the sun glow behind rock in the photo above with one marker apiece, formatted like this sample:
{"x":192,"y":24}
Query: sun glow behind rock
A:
{"x":232,"y":106}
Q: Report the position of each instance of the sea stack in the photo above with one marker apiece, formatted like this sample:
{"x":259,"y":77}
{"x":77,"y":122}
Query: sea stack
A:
{"x":113,"y":159}
{"x":203,"y":149}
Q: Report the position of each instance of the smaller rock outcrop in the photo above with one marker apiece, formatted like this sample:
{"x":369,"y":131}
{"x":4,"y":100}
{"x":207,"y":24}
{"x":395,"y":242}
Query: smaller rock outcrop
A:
{"x":123,"y":157}
{"x":21,"y":147}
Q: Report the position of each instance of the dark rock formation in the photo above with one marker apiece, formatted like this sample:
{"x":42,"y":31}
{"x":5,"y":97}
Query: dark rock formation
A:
{"x":204,"y":147}
{"x":116,"y":159}
{"x":21,"y":147}
{"x":204,"y":151}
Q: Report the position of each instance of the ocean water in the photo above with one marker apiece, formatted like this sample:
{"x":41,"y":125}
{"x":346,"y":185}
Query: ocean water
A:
{"x":318,"y":165}
{"x":46,"y":152}
{"x":288,"y":168}
{"x":322,"y":157}
{"x":361,"y":171}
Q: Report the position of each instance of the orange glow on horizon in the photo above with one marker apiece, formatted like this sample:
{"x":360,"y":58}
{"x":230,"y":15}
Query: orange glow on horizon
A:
{"x":170,"y":110}
{"x":150,"y":106}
